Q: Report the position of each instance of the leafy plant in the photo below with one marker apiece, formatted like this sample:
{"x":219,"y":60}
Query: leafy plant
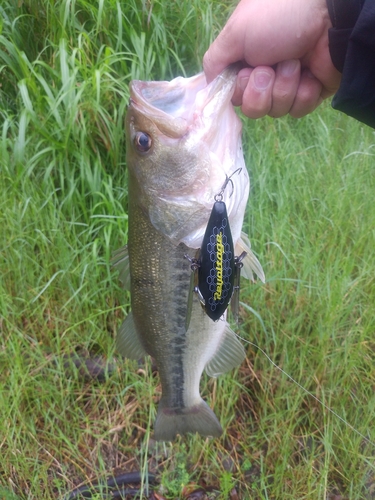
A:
{"x":226,"y":484}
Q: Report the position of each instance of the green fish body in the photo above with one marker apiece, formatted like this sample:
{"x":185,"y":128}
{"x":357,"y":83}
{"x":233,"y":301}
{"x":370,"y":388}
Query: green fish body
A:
{"x":183,"y":141}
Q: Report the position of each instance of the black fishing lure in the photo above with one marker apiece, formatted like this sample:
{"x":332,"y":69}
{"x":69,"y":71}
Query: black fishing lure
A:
{"x":216,"y":263}
{"x":217,"y":267}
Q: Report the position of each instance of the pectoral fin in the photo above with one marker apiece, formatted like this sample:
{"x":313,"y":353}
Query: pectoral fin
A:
{"x":120,"y":261}
{"x":229,"y":355}
{"x":251,"y":264}
{"x":128,"y":342}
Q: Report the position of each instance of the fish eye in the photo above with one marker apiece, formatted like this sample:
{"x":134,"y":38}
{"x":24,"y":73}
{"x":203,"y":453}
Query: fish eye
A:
{"x":142,"y":142}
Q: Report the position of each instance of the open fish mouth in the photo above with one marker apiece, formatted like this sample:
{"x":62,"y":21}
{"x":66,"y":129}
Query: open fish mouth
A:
{"x":175,"y":106}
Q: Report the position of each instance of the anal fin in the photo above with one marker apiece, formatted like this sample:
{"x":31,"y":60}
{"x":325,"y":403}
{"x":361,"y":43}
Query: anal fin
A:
{"x":229,"y":354}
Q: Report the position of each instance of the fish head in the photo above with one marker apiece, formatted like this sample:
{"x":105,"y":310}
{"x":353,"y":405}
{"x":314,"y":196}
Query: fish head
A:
{"x":183,"y":142}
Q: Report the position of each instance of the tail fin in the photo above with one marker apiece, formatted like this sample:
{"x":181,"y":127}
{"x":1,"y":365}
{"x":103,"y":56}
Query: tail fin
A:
{"x":199,"y":418}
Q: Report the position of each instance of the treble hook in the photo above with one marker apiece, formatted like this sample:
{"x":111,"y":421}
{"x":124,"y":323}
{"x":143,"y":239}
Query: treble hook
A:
{"x":219,"y":196}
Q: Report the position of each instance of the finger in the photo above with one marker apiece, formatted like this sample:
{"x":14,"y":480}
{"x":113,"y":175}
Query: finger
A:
{"x":308,"y":95}
{"x":285,"y":88}
{"x":257,"y":96}
{"x":241,"y":83}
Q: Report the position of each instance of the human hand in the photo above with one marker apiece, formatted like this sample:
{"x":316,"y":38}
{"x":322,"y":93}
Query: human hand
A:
{"x":284,"y":44}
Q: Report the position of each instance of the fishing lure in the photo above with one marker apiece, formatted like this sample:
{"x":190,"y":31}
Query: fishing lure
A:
{"x":217,"y":270}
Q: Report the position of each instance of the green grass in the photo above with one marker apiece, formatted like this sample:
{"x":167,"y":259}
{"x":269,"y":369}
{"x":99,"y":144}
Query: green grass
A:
{"x":64,"y":69}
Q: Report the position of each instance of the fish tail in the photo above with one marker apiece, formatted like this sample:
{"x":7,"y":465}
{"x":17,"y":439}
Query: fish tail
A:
{"x":198,"y":418}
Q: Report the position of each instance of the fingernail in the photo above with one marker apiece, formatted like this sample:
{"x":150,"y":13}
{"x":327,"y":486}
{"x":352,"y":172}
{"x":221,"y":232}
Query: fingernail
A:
{"x":243,"y":82}
{"x":287,"y":68}
{"x":262,"y":79}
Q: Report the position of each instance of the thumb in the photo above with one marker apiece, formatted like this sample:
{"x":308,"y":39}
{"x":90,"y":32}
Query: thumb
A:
{"x":228,"y":48}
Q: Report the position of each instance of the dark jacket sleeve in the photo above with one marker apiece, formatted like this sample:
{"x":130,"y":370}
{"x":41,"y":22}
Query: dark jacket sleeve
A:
{"x":352,"y":49}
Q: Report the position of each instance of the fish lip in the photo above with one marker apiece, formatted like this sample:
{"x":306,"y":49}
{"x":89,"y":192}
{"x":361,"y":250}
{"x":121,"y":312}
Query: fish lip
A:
{"x":174,"y":127}
{"x":145,"y":93}
{"x":169,"y":95}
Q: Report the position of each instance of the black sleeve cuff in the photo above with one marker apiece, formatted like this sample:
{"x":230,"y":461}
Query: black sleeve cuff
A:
{"x":343,"y":14}
{"x":338,"y":45}
{"x":356,"y":95}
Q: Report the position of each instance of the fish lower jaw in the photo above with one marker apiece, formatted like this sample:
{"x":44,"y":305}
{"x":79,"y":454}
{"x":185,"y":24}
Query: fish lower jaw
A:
{"x":190,"y":419}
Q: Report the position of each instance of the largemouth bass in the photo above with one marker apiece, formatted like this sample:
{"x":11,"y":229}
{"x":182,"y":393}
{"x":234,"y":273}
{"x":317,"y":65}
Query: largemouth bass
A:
{"x":183,"y":143}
